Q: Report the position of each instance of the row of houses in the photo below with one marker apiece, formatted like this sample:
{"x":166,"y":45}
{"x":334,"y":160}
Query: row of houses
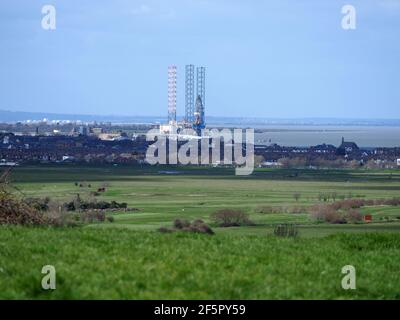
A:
{"x":89,"y":148}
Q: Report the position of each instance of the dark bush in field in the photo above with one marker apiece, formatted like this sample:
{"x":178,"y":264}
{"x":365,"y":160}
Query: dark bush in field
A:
{"x":37,"y":211}
{"x":325,"y":213}
{"x":79,"y":204}
{"x":61,"y":219}
{"x":268,"y":209}
{"x":40,"y":204}
{"x":200,"y":227}
{"x":16,"y":211}
{"x":180,"y":224}
{"x":165,"y":230}
{"x":71,"y":219}
{"x":230,"y":218}
{"x":345,"y":211}
{"x":356,"y":203}
{"x":334,"y":217}
{"x":93,"y":216}
{"x":197,"y":226}
{"x":13,"y":210}
{"x":392,"y":202}
{"x":353,"y":216}
{"x":297,"y":209}
{"x":286,"y":230}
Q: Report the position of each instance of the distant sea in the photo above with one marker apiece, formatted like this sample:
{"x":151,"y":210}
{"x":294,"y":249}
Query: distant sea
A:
{"x":305,"y":135}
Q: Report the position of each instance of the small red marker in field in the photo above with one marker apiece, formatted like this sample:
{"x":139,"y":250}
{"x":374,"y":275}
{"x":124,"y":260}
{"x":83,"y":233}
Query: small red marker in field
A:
{"x":368,"y":218}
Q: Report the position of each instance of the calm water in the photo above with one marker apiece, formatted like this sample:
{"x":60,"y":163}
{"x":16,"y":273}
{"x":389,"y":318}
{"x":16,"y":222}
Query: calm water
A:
{"x":364,"y":136}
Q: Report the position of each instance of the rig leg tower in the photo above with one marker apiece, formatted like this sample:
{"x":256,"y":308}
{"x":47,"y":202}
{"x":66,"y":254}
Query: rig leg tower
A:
{"x":199,"y":114}
{"x":189,"y":95}
{"x":172,"y":71}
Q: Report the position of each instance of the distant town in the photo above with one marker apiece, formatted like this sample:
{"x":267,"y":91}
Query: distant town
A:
{"x":75,"y":141}
{"x":106,"y":143}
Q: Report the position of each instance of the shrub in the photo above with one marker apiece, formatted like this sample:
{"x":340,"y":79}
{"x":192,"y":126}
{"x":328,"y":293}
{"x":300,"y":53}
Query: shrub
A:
{"x":266,"y":209}
{"x":40,"y":204}
{"x":93,"y":216}
{"x":197,"y":226}
{"x":334,"y":217}
{"x":180,"y":224}
{"x":116,"y":205}
{"x":353,"y":216}
{"x":201,"y":227}
{"x":393,"y":202}
{"x":165,"y":230}
{"x":32,"y":211}
{"x":297,"y":209}
{"x":14,"y":210}
{"x":61,"y":219}
{"x":79,"y":204}
{"x":230,"y":218}
{"x":270,"y":209}
{"x":286,"y":230}
{"x":326,"y":213}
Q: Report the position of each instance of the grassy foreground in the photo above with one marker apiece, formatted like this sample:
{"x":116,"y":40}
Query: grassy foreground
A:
{"x":129,"y":264}
{"x":128,"y":259}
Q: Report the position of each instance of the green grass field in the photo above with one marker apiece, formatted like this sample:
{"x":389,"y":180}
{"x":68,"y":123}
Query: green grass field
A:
{"x":129,"y":259}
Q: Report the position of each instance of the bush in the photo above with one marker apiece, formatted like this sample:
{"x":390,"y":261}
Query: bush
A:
{"x":197,"y":226}
{"x":335,"y":218}
{"x":79,"y":204}
{"x":180,"y":224}
{"x":230,"y":218}
{"x":31,"y":211}
{"x":353,"y":216}
{"x":93,"y":216}
{"x":165,"y":230}
{"x":201,"y":227}
{"x":38,"y":203}
{"x":267,"y":209}
{"x":297,"y":209}
{"x":345,"y":211}
{"x":286,"y":230}
{"x":326,"y":213}
{"x":270,"y":209}
{"x":61,"y":219}
{"x":393,"y":202}
{"x":15,"y":211}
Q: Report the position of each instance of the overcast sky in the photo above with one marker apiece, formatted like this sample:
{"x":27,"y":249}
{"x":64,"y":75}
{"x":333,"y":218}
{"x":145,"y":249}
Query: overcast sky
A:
{"x":281,"y":58}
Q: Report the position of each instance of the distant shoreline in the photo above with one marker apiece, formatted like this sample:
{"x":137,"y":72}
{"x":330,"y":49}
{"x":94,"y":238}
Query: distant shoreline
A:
{"x":257,"y":123}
